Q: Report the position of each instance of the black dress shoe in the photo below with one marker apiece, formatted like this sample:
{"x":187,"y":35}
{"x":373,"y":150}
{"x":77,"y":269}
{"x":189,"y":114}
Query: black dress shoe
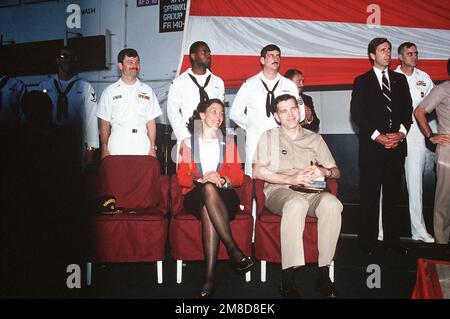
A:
{"x":397,"y":248}
{"x":327,"y":290}
{"x":290,"y":291}
{"x":325,"y":286}
{"x":244,"y":265}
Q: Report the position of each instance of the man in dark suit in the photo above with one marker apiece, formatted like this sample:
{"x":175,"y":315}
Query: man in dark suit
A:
{"x":311,"y":121}
{"x":381,"y":107}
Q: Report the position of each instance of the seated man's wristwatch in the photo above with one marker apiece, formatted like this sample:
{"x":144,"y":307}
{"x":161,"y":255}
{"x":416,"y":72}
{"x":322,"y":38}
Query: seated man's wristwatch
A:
{"x":154,"y":147}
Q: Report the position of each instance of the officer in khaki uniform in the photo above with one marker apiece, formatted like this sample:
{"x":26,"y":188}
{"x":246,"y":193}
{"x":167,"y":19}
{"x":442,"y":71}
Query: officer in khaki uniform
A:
{"x":290,"y":155}
{"x":439,"y":100}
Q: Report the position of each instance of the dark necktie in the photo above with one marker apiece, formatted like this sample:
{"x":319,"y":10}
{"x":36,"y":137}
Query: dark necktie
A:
{"x":270,"y":99}
{"x":2,"y":84}
{"x":63,"y":104}
{"x":201,"y":89}
{"x":387,"y":96}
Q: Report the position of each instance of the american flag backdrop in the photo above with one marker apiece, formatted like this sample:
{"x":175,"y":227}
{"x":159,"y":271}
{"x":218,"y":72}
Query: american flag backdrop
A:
{"x":327,"y":40}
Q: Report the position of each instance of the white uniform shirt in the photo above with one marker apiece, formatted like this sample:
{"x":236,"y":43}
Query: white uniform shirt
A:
{"x":420,"y":85}
{"x":11,"y":95}
{"x":128,"y":108}
{"x":82,"y":106}
{"x":184,"y":97}
{"x":249,"y":110}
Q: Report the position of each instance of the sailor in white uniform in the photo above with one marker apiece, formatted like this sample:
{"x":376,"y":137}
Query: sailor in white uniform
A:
{"x":420,"y":85}
{"x":74,"y":101}
{"x":192,"y":86}
{"x":127,"y":112}
{"x":251,"y":108}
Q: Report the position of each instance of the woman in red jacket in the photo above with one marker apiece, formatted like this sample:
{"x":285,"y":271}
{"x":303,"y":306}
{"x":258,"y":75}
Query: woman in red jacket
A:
{"x":208,"y":170}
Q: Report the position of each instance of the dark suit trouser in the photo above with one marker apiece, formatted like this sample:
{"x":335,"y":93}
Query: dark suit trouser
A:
{"x":383,"y":169}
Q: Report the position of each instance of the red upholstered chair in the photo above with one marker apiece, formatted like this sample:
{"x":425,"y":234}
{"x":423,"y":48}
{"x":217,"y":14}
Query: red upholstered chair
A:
{"x":140,"y":233}
{"x":267,"y":232}
{"x":185,"y":234}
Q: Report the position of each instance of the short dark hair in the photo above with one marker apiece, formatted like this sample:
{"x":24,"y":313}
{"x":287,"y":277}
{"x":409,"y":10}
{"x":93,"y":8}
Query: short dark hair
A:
{"x":406,"y":45}
{"x":291,"y":73}
{"x":373,"y":45}
{"x":196,"y":46}
{"x":282,"y":98}
{"x":269,"y":47}
{"x":129,"y":52}
{"x":201,"y":108}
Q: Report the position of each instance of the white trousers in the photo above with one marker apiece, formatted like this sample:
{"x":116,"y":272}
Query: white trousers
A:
{"x":414,"y":168}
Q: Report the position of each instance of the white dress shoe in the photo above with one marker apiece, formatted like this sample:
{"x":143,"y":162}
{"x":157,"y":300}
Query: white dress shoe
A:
{"x":425,"y":237}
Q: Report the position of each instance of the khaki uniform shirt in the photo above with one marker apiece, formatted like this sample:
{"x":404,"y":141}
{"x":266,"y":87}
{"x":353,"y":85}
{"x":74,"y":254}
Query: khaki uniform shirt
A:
{"x":439,"y":99}
{"x":285,"y":156}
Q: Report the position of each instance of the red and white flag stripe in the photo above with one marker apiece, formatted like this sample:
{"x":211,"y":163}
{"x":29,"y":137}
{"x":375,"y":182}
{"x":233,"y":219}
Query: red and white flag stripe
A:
{"x":327,"y":41}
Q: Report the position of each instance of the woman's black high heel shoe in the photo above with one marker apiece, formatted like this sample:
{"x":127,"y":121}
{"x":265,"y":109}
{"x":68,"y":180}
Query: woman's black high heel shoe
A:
{"x":244,"y":265}
{"x":206,"y":294}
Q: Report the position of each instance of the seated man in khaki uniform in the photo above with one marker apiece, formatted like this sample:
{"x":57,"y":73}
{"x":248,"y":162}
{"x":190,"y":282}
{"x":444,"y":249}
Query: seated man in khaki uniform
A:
{"x":290,"y":155}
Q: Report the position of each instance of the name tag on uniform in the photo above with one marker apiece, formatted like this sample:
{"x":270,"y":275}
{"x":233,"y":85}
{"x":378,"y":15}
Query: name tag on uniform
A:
{"x":421,"y":83}
{"x":117,"y":97}
{"x":142,"y":96}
